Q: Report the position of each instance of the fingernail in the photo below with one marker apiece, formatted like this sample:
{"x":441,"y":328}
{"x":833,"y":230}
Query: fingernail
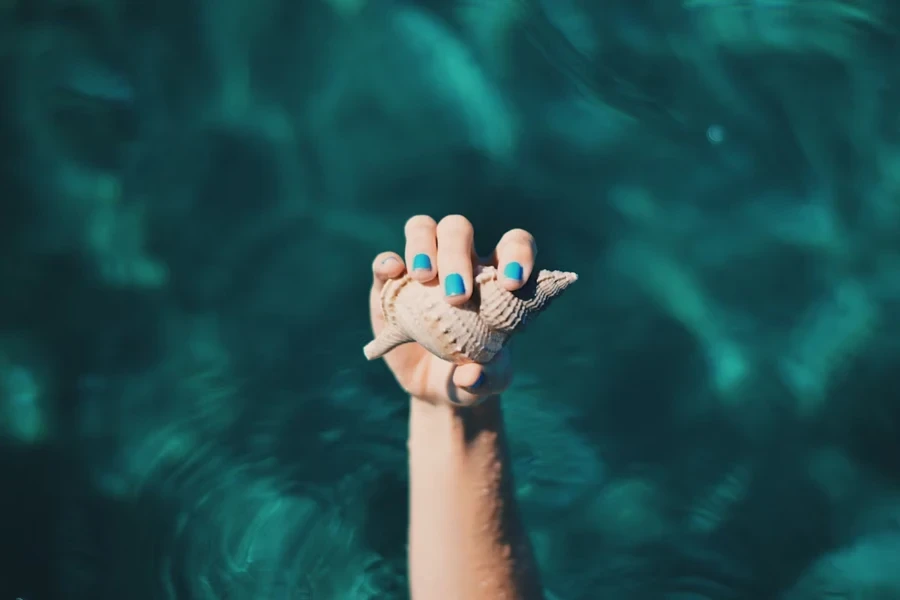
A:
{"x":453,"y":285}
{"x":478,"y":381}
{"x":421,"y":262}
{"x":389,"y":259}
{"x":513,"y":271}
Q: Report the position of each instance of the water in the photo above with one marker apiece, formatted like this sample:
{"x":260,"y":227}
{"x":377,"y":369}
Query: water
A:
{"x":193,"y":194}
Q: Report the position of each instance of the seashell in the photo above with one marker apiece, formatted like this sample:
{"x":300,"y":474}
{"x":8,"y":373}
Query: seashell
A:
{"x":473,"y":332}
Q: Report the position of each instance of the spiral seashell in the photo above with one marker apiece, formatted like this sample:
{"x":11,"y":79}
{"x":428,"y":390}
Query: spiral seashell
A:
{"x":473,"y":332}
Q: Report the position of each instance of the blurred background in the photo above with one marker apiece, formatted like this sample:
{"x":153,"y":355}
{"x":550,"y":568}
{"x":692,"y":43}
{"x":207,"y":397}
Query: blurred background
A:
{"x":191,"y":193}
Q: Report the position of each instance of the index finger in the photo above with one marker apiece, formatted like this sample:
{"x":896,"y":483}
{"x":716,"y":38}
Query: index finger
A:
{"x":514,"y":258}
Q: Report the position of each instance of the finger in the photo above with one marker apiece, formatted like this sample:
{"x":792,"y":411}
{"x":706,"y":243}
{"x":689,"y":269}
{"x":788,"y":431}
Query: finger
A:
{"x":421,"y":247}
{"x":474,"y":382}
{"x":387,"y":265}
{"x":514,"y":258}
{"x":455,"y":251}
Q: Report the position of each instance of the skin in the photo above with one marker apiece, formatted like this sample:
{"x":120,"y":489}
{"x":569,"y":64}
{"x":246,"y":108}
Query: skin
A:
{"x":466,"y":539}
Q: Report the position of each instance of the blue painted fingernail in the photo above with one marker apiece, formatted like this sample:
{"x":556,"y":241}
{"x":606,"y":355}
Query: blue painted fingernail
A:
{"x":421,"y":262}
{"x":478,"y":381}
{"x":513,"y":271}
{"x":453,"y":285}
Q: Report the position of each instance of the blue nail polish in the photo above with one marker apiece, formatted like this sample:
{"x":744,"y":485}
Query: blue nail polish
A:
{"x":478,"y":381}
{"x":421,"y":262}
{"x":513,"y":271}
{"x":453,"y":285}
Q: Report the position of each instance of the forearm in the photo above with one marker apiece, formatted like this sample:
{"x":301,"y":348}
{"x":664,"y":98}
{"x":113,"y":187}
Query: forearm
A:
{"x":466,"y":540}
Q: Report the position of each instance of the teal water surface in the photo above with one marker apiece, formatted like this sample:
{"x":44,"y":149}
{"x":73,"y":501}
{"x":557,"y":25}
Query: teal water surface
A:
{"x":190,"y":201}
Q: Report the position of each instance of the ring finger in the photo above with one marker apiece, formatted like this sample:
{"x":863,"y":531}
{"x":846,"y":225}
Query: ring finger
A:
{"x":421,"y":247}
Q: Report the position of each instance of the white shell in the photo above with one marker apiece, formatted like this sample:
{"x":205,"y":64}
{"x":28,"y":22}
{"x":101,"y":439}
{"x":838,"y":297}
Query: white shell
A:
{"x":473,"y":332}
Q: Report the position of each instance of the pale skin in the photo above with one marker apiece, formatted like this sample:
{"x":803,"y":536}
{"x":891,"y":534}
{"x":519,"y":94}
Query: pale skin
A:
{"x":466,"y":539}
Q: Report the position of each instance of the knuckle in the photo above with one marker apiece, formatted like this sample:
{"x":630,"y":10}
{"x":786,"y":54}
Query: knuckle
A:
{"x":418,"y":224}
{"x":455,"y":225}
{"x":521,"y":239}
{"x":519,"y":236}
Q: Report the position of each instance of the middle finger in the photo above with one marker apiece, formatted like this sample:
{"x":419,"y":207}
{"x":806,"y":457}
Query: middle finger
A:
{"x":455,"y":250}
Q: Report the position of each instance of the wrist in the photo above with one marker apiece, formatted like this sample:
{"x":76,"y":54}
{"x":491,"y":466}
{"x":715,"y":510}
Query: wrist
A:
{"x":431,"y":423}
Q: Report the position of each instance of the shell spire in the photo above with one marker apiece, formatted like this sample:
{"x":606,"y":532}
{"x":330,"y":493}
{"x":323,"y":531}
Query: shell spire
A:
{"x":508,"y":311}
{"x":473,"y":332}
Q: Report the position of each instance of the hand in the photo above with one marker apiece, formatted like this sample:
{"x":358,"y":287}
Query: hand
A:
{"x":444,"y":254}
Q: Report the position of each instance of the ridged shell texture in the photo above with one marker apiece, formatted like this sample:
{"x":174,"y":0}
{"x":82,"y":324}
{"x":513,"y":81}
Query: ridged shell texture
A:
{"x":473,"y":332}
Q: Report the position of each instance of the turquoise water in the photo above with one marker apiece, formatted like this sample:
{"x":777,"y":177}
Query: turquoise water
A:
{"x":192,"y":195}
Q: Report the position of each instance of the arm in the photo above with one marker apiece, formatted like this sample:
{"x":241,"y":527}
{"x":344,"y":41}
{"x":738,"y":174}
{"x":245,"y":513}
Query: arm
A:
{"x":466,"y":540}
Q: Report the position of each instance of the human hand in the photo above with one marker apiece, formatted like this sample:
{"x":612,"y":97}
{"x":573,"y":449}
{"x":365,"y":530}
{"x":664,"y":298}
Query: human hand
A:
{"x":444,"y":254}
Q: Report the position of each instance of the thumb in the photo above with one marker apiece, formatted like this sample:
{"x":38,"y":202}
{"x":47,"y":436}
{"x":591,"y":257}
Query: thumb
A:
{"x":473,"y":383}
